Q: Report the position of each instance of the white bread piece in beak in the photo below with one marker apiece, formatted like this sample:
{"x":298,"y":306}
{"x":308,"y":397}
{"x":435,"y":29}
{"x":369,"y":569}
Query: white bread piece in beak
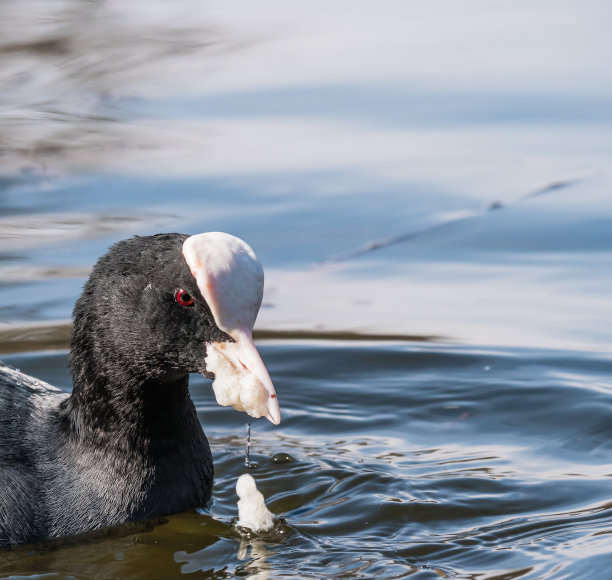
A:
{"x":230,"y":278}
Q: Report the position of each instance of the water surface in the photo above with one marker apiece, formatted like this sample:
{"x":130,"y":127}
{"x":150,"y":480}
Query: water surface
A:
{"x":428,"y":187}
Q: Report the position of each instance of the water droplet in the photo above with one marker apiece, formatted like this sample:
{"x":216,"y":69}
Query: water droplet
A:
{"x":282,"y":458}
{"x":247,"y":461}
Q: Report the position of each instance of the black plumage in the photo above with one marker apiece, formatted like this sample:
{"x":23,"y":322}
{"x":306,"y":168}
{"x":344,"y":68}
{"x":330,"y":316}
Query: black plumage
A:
{"x":127,"y":443}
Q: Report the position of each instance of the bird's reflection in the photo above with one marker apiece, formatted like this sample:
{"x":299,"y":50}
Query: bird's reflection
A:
{"x":255,"y":551}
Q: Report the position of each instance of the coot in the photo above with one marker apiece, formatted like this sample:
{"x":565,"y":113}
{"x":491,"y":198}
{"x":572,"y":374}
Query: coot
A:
{"x":127,"y":443}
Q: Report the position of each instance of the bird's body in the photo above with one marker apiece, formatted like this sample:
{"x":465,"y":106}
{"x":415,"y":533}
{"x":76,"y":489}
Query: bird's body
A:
{"x":127,"y":443}
{"x":60,"y":476}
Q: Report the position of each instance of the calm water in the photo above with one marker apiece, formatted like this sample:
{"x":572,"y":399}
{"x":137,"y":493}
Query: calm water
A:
{"x":429,"y":190}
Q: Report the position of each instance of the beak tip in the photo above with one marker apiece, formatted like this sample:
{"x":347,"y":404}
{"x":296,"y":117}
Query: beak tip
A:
{"x":273,"y":415}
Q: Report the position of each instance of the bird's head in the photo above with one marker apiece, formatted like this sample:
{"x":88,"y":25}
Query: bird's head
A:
{"x":159,"y":307}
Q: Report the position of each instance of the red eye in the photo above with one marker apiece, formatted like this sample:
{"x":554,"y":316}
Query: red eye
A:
{"x":184,"y":298}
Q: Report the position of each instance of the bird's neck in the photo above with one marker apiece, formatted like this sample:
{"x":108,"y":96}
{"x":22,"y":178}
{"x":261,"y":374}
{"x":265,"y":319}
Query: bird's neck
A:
{"x":146,"y":434}
{"x":128,"y":411}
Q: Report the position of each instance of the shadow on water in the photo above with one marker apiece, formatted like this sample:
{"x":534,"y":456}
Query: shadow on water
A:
{"x":56,"y":336}
{"x":118,"y":552}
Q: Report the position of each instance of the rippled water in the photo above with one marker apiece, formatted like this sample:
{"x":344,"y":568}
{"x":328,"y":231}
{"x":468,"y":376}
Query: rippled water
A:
{"x":405,"y":458}
{"x":428,"y":187}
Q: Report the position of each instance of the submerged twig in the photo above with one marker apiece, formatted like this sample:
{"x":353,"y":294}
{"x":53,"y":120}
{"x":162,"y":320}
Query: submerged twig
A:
{"x":451,"y":220}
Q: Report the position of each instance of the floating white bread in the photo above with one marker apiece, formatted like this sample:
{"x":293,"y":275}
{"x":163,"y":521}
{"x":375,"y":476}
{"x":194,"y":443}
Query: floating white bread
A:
{"x":252,"y":510}
{"x":230,"y":279}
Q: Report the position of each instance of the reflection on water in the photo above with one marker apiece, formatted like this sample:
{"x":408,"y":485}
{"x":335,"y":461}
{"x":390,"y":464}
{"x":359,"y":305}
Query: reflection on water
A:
{"x":69,"y":70}
{"x":427,"y":186}
{"x":41,"y":229}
